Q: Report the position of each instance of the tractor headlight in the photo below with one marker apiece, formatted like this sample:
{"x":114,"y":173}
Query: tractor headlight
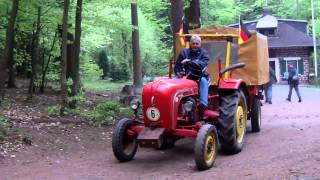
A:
{"x":134,"y":104}
{"x":188,"y":106}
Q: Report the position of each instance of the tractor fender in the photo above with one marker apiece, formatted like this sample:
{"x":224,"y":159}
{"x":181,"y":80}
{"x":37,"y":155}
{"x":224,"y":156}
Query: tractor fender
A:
{"x":231,"y":84}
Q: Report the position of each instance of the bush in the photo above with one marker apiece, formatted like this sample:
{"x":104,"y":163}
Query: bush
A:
{"x":90,"y":69}
{"x":106,"y":112}
{"x":3,"y":127}
{"x":119,"y":69}
{"x":54,"y":110}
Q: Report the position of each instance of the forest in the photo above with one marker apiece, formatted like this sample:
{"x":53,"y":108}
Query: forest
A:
{"x":74,"y":46}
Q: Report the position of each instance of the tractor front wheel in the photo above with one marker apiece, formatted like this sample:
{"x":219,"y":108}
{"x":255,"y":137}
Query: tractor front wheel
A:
{"x":124,"y":146}
{"x":206,"y":147}
{"x":232,"y":121}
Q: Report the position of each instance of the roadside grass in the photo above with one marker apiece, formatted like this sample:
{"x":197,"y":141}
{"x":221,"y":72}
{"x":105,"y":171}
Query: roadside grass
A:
{"x":104,"y":113}
{"x":103,"y":85}
{"x":315,"y":85}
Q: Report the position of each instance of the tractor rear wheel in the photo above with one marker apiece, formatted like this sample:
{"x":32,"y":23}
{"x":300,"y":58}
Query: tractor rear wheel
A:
{"x":124,"y":146}
{"x":206,"y":147}
{"x":256,"y":115}
{"x":232,"y":121}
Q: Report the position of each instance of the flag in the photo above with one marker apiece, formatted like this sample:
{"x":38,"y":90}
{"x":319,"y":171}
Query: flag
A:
{"x":183,"y":29}
{"x":244,"y":34}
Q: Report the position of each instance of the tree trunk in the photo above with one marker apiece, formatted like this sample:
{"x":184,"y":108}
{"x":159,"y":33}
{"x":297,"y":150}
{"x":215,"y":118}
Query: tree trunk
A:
{"x":176,"y":19}
{"x":76,"y":57}
{"x":64,"y":101}
{"x":35,"y":55}
{"x":125,"y":49}
{"x":206,"y":12}
{"x":45,"y":69}
{"x":10,"y":60}
{"x":194,"y":15}
{"x":137,"y":75}
{"x":7,"y":58}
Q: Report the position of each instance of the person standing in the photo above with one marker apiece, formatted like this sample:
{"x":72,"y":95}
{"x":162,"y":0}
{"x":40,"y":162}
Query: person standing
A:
{"x":268,"y":89}
{"x":293,"y":81}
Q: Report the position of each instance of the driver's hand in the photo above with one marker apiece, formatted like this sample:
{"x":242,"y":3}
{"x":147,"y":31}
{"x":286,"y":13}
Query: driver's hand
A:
{"x":185,"y":61}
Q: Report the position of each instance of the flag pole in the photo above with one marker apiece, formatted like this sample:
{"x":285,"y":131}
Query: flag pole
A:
{"x":239,"y":28}
{"x":314,"y":42}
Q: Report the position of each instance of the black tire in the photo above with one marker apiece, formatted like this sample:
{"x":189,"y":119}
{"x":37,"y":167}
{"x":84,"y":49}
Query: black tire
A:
{"x":230,"y":137}
{"x":124,"y":147}
{"x":206,"y":147}
{"x":256,"y":115}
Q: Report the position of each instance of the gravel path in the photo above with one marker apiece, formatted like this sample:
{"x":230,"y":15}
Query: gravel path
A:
{"x":288,"y":147}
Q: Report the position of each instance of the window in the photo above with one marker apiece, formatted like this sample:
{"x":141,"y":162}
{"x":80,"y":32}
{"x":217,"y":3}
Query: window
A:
{"x":271,"y":32}
{"x":267,"y":32}
{"x":297,"y":62}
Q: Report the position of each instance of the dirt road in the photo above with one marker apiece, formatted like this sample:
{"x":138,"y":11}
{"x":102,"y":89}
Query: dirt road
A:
{"x":288,"y":147}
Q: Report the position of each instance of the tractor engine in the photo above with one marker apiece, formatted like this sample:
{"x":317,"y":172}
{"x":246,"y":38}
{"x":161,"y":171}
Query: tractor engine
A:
{"x":165,"y":101}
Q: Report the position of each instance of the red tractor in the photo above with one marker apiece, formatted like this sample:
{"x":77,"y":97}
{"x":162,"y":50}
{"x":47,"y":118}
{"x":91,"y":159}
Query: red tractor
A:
{"x":170,"y":108}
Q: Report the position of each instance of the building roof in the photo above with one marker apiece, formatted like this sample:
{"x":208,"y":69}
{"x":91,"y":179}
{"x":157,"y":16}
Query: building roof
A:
{"x":289,"y":33}
{"x":267,"y":21}
{"x":288,"y":36}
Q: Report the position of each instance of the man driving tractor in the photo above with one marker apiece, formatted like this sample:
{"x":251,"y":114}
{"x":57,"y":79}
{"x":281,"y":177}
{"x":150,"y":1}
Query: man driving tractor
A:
{"x":193,"y":62}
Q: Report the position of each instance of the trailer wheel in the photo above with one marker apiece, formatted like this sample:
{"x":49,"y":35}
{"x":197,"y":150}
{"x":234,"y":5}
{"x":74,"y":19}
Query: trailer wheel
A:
{"x":124,"y":147}
{"x":206,"y":147}
{"x":256,"y":115}
{"x":232,"y":121}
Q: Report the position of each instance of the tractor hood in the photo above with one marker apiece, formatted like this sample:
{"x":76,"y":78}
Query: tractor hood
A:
{"x":161,"y":98}
{"x":166,"y":84}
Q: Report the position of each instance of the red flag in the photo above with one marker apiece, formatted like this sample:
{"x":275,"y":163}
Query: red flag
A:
{"x":244,"y":34}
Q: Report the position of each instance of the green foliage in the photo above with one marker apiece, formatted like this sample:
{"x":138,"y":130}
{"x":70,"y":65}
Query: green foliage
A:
{"x":77,"y":98}
{"x":116,"y":38}
{"x":219,"y":12}
{"x":103,"y":62}
{"x":317,"y":25}
{"x":3,"y":128}
{"x":54,"y":110}
{"x":312,"y":65}
{"x":4,"y":8}
{"x":106,"y":112}
{"x":89,"y":69}
{"x":107,"y":25}
{"x":119,"y":70}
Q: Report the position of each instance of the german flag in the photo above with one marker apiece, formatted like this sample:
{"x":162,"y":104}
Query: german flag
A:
{"x":244,"y":34}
